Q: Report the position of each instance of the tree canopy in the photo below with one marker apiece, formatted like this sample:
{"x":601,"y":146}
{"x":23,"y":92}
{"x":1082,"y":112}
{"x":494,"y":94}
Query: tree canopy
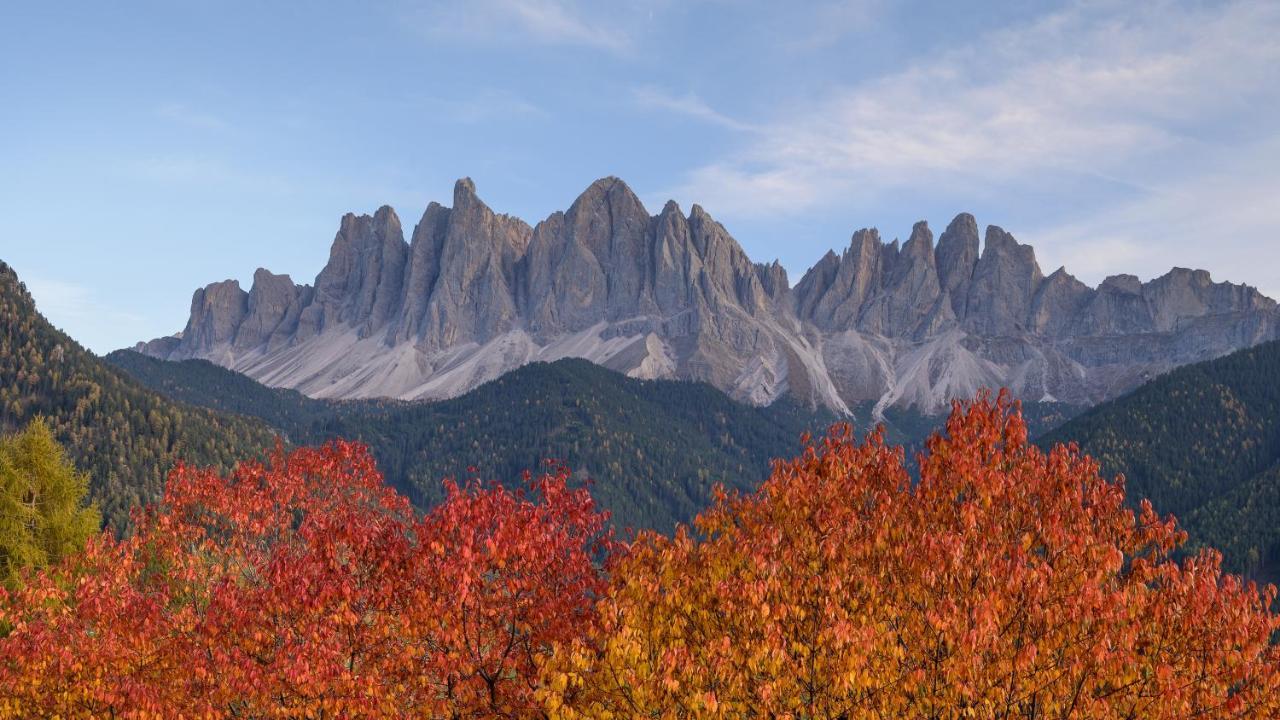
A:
{"x":1006,"y":583}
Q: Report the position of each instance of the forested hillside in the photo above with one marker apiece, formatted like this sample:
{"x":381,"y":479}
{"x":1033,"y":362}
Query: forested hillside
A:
{"x":1202,"y":442}
{"x":123,"y":435}
{"x":653,"y":449}
{"x":200,"y":382}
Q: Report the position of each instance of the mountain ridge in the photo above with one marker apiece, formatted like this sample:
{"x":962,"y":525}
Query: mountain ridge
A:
{"x":474,"y":294}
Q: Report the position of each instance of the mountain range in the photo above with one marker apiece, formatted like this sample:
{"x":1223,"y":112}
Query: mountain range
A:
{"x":653,"y":450}
{"x":474,"y":294}
{"x":1201,"y":442}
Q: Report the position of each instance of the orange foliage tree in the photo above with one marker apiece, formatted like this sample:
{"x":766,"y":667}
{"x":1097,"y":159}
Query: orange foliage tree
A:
{"x":1005,"y":583}
{"x":307,"y":588}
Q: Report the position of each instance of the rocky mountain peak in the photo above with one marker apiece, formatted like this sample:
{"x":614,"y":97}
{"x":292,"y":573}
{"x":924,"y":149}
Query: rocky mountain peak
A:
{"x":464,"y":191}
{"x":1004,"y":282}
{"x":864,"y":243}
{"x":921,"y":241}
{"x":956,"y":256}
{"x":773,"y":277}
{"x":474,"y":294}
{"x":216,"y":313}
{"x":1128,"y":284}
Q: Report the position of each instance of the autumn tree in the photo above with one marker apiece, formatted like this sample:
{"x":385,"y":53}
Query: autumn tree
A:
{"x":306,"y":587}
{"x":43,"y":513}
{"x":1005,"y":583}
{"x":520,"y":573}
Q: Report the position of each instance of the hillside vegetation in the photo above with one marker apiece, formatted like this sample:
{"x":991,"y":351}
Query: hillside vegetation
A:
{"x":653,"y":449}
{"x":1202,"y":442}
{"x":124,"y":436}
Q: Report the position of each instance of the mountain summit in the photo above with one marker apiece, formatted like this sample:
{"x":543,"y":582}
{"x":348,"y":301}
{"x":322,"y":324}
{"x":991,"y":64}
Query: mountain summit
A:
{"x":474,"y":294}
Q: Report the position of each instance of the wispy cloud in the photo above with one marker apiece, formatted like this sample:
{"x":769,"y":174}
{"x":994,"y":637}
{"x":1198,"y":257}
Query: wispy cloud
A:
{"x":1093,"y":89}
{"x":689,"y":104}
{"x":546,"y":22}
{"x":183,"y":114}
{"x":1222,"y":218}
{"x":834,"y":20}
{"x":484,"y":106}
{"x":203,"y":170}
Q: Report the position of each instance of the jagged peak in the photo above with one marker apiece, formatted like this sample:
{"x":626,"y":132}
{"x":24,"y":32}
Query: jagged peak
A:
{"x":961,"y":232}
{"x":262,"y":274}
{"x":1061,"y":278}
{"x":773,"y":277}
{"x":963,"y":221}
{"x":607,"y":183}
{"x":221,"y":285}
{"x":610,"y":190}
{"x":381,"y":217}
{"x":863,"y":239}
{"x":699,"y":216}
{"x":465,"y":198}
{"x":921,"y":240}
{"x":998,"y":239}
{"x":1198,"y":275}
{"x":1122,"y":282}
{"x":465,"y":187}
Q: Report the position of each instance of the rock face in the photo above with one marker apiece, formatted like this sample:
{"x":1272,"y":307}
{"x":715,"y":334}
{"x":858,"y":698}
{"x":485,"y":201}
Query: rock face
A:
{"x":474,"y":294}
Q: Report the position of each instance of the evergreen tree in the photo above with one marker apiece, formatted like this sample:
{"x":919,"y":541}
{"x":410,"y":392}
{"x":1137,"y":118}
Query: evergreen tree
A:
{"x":43,"y":512}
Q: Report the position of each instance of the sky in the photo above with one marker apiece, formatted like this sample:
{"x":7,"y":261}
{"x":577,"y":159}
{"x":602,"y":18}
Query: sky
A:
{"x":147,"y":149}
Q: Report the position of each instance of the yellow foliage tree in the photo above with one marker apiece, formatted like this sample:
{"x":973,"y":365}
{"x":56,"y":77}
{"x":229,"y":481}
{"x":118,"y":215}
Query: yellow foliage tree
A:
{"x":1006,"y":583}
{"x":43,"y":516}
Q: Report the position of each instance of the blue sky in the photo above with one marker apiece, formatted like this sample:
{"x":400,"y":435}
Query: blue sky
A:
{"x":151,"y":148}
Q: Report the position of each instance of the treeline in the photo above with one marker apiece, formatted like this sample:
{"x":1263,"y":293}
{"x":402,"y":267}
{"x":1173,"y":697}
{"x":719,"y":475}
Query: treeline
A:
{"x":123,"y":436}
{"x":654,"y":449}
{"x":1202,"y":442}
{"x":1004,"y":582}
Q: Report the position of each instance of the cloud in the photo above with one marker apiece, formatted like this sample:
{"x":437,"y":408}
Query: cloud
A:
{"x":834,"y":20}
{"x":202,"y":170}
{"x":485,"y":106}
{"x":690,"y":105}
{"x":1093,"y":90}
{"x":185,"y":115}
{"x":1222,"y":219}
{"x":543,"y":22}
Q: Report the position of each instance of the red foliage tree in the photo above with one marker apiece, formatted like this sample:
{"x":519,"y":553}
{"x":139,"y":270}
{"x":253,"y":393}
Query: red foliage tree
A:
{"x":307,"y":588}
